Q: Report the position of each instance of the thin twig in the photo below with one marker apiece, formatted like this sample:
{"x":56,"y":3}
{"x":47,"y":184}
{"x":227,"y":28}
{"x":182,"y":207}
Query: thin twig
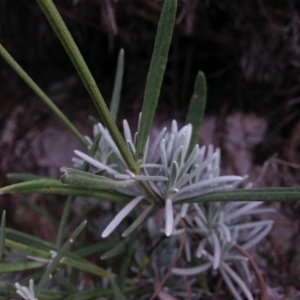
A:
{"x":261,"y":282}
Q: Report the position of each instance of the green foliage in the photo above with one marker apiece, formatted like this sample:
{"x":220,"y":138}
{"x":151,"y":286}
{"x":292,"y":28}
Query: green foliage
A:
{"x":30,"y":82}
{"x":156,"y":72}
{"x":197,"y":108}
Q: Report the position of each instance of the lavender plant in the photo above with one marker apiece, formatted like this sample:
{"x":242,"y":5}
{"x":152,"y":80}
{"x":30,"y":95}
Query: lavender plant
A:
{"x":176,"y":213}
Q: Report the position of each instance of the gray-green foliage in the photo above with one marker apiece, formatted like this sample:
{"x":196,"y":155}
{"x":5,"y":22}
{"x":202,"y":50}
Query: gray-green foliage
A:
{"x":166,"y":197}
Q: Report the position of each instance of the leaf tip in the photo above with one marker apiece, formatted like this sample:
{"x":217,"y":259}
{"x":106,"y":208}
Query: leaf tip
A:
{"x":64,"y":174}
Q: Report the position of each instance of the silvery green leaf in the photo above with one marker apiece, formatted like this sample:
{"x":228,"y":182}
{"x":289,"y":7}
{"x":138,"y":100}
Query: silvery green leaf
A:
{"x":184,"y":209}
{"x":230,"y":285}
{"x":186,"y":132}
{"x":234,"y":276}
{"x":258,"y":237}
{"x":151,"y":165}
{"x":199,"y":222}
{"x":169,"y":145}
{"x":217,"y":251}
{"x":131,"y":147}
{"x":174,"y":127}
{"x":210,"y":182}
{"x":192,"y":271}
{"x":138,"y":221}
{"x":174,"y":172}
{"x":151,"y":178}
{"x":120,"y":216}
{"x":26,"y":293}
{"x":169,"y":217}
{"x":189,"y":163}
{"x":254,"y":224}
{"x":178,"y":155}
{"x":163,"y":157}
{"x":187,"y":248}
{"x":127,"y":132}
{"x":155,"y":144}
{"x":96,"y":163}
{"x":106,"y":135}
{"x":226,"y":231}
{"x":200,"y":213}
{"x":200,"y":248}
{"x":243,"y":210}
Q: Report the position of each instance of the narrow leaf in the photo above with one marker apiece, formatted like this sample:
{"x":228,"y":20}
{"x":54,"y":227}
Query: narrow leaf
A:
{"x":138,"y":221}
{"x":34,"y":250}
{"x":52,"y":186}
{"x":61,"y":252}
{"x":29,"y":250}
{"x":169,"y":217}
{"x":192,"y":271}
{"x":115,"y":101}
{"x":127,"y":260}
{"x":15,"y":238}
{"x":9,"y":290}
{"x":196,"y":108}
{"x":261,"y":194}
{"x":239,"y":281}
{"x":30,"y":82}
{"x":86,"y":266}
{"x":117,"y":291}
{"x":63,"y":221}
{"x":87,"y":78}
{"x":156,"y":71}
{"x":24,"y":176}
{"x":115,"y":251}
{"x":2,"y":234}
{"x":88,"y":250}
{"x":10,"y":267}
{"x":121,"y":215}
{"x":91,"y":181}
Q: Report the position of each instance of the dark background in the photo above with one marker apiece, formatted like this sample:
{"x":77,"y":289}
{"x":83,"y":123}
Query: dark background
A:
{"x":249,"y":51}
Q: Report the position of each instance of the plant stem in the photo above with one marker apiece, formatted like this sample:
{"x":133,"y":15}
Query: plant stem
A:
{"x":88,"y":80}
{"x":19,"y":70}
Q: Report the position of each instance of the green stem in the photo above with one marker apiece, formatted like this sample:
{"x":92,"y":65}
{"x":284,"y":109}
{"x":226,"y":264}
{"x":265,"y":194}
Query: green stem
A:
{"x":74,"y":54}
{"x":18,"y":69}
{"x":259,"y":194}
